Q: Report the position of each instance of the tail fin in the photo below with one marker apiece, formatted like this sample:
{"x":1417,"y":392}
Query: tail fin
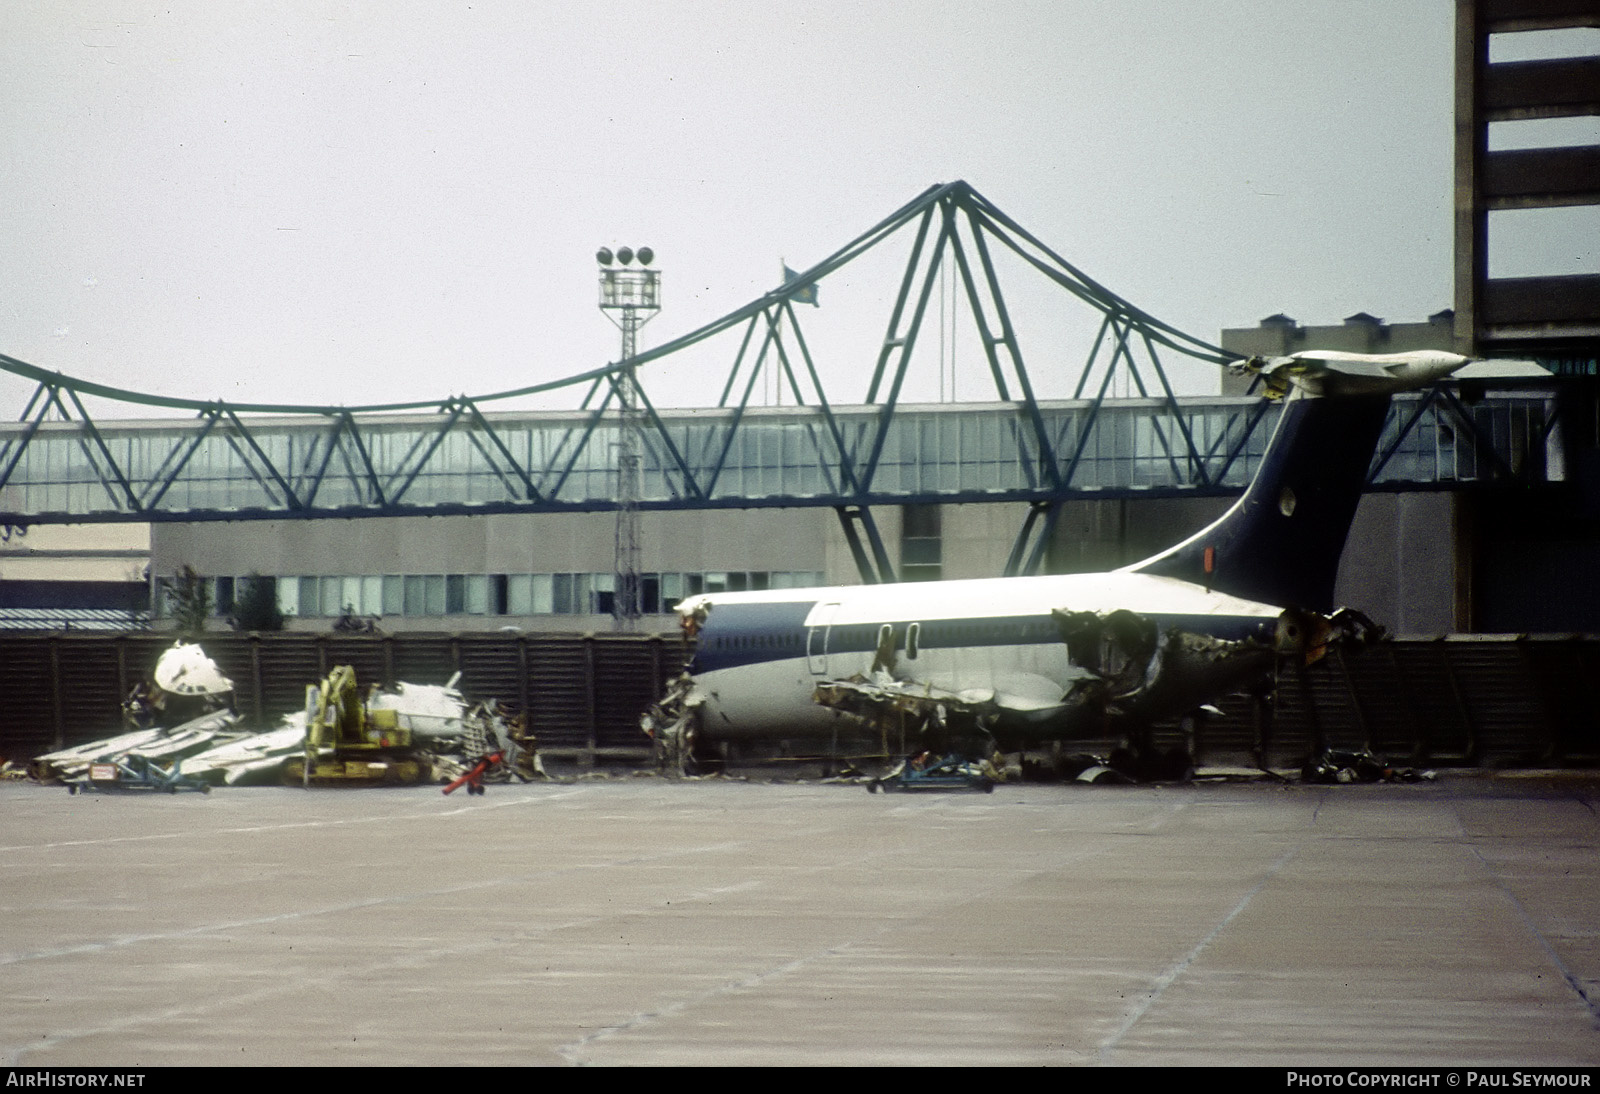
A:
{"x":1281,"y":542}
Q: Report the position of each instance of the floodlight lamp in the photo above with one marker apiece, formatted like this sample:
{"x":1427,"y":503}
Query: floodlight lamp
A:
{"x":645,"y":256}
{"x":624,"y":255}
{"x":603,"y":256}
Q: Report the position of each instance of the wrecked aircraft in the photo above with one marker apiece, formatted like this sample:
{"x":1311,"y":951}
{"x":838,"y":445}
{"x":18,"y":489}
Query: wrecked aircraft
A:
{"x":430,"y":729}
{"x":882,"y":669}
{"x":402,"y":737}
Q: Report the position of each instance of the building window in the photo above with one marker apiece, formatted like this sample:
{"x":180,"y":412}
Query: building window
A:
{"x":921,"y":543}
{"x":289,"y":596}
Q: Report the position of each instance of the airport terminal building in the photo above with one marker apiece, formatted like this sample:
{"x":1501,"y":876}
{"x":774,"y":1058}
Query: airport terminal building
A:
{"x":1417,"y":558}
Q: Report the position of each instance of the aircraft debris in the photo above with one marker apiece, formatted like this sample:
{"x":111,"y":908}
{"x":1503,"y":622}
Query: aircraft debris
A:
{"x":431,"y":727}
{"x":184,"y":684}
{"x":926,"y":771}
{"x":1143,"y":672}
{"x":671,"y":722}
{"x":1135,"y":673}
{"x":256,"y":759}
{"x":161,"y":745}
{"x":135,"y":772}
{"x":186,"y":670}
{"x":1340,"y":765}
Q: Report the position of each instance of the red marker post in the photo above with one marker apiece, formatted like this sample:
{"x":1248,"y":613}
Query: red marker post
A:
{"x":473,"y":779}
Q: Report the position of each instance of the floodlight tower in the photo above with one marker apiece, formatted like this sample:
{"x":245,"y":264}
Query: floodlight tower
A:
{"x":630,"y":296}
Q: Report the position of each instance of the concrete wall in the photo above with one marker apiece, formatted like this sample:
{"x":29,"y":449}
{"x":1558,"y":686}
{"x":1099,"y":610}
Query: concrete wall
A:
{"x":1402,"y":562}
{"x":76,"y":552}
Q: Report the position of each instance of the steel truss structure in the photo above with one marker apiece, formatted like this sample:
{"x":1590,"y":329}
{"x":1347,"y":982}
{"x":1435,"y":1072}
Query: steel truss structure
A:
{"x":242,"y":461}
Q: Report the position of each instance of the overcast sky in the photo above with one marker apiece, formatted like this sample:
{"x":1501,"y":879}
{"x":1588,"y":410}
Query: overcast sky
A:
{"x":351,"y":202}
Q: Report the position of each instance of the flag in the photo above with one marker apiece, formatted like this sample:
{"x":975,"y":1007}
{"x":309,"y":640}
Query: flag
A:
{"x":806,"y":295}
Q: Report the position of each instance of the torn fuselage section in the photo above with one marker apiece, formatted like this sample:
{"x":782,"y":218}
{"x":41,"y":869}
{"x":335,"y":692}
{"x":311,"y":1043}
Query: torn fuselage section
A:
{"x":1132,"y":672}
{"x":1137,"y":671}
{"x":673,"y":726}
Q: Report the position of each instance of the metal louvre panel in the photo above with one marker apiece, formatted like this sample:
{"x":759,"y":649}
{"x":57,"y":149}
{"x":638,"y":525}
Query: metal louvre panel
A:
{"x":1233,"y":734}
{"x":90,"y":699}
{"x":627,"y":680}
{"x":424,"y":658}
{"x":491,"y":668}
{"x":1293,"y":731}
{"x":560,"y":693}
{"x":369,"y":654}
{"x":1394,"y":729}
{"x":288,"y":664}
{"x":1566,"y":676}
{"x":1497,"y":696}
{"x":1430,"y":685}
{"x":28,"y":684}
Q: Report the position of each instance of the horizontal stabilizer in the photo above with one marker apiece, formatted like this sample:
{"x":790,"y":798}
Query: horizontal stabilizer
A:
{"x":1333,"y":373}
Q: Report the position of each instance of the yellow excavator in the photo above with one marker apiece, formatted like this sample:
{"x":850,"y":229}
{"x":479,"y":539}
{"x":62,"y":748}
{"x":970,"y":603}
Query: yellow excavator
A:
{"x":349,"y":744}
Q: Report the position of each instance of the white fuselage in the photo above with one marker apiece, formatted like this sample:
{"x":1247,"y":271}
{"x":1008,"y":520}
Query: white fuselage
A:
{"x":762,"y":654}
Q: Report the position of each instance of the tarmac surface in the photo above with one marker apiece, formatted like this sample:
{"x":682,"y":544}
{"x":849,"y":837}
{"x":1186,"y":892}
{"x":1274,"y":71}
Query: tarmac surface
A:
{"x":646,"y":921}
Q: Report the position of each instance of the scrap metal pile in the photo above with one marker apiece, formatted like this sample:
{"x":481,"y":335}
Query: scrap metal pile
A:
{"x":184,"y":733}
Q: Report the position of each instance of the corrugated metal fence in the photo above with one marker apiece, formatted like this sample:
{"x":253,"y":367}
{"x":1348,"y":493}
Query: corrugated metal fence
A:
{"x":1475,"y":701}
{"x":583,"y":692}
{"x":1467,"y":700}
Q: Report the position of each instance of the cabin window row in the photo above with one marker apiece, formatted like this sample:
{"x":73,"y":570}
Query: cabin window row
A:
{"x":910,"y":638}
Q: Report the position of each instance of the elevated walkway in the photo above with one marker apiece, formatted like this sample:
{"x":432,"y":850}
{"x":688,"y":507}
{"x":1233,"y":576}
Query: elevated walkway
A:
{"x":238,"y":467}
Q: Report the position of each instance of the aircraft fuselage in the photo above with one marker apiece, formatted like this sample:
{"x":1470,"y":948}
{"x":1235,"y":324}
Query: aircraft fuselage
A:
{"x":761,"y":655}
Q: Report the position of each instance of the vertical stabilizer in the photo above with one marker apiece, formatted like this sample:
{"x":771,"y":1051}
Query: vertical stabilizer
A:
{"x":1281,"y":542}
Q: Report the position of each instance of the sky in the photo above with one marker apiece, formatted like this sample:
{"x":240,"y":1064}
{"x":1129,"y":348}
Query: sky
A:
{"x":346,"y":202}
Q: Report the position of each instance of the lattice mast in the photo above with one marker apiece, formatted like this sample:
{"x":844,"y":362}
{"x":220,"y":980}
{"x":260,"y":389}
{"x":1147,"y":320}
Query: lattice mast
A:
{"x":631,"y":296}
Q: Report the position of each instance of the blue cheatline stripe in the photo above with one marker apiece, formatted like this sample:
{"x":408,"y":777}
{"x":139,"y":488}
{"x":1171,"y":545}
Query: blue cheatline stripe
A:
{"x":752,"y":634}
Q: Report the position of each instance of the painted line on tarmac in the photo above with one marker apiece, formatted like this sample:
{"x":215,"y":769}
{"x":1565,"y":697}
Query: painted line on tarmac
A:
{"x":1574,"y":982}
{"x":452,"y":956}
{"x":573,"y":1051}
{"x":1166,"y":980}
{"x":421,"y":813}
